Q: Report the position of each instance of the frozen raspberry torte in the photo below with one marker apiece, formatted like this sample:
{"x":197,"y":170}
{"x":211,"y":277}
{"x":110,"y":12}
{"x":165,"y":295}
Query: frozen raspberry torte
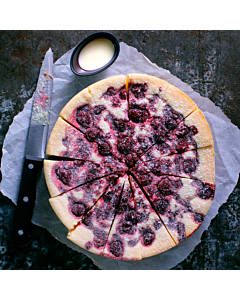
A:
{"x":131,"y":167}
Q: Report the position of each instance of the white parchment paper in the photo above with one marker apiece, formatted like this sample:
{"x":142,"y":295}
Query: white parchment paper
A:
{"x":66,"y":85}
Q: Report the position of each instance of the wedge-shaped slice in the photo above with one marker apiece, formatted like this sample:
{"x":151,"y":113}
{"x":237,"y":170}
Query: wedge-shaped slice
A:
{"x":196,"y":164}
{"x":67,"y":141}
{"x":91,"y":106}
{"x":180,"y":202}
{"x":62,"y":176}
{"x":151,"y":95}
{"x":71,"y":206}
{"x":154,"y":238}
{"x":195,"y":126}
{"x":191,"y":133}
{"x":124,"y":238}
{"x":92,"y":231}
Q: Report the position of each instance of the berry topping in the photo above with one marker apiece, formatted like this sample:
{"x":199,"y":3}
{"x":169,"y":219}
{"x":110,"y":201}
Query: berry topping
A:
{"x":116,"y":248}
{"x":123,"y":93}
{"x":181,"y":131}
{"x":206,"y":191}
{"x":99,"y":109}
{"x":88,"y":245}
{"x":177,"y":184}
{"x":126,"y":195}
{"x":138,"y":115}
{"x":139,"y":90}
{"x":111,"y":91}
{"x":159,"y":136}
{"x":165,"y":186}
{"x":116,"y":102}
{"x":126,"y":227}
{"x":162,"y":205}
{"x":153,"y":99}
{"x":156,"y":122}
{"x":157,"y":224}
{"x":170,"y":123}
{"x":189,"y":166}
{"x":78,"y":209}
{"x":120,"y":124}
{"x":66,"y":141}
{"x":147,"y":236}
{"x":83,"y":116}
{"x":156,"y":167}
{"x":77,"y":163}
{"x":182,"y":145}
{"x":198,"y":218}
{"x":104,"y":148}
{"x":92,"y":134}
{"x":142,"y":217}
{"x":131,"y":159}
{"x":107,"y":197}
{"x":100,"y":238}
{"x":143,"y":175}
{"x":193,"y":130}
{"x":125,"y":145}
{"x":132,"y":243}
{"x":172,"y":118}
{"x":145,"y":179}
{"x":181,"y":232}
{"x":87,"y":220}
{"x":64,"y":175}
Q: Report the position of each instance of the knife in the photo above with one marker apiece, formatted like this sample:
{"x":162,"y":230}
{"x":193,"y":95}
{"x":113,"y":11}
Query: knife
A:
{"x":34,"y":153}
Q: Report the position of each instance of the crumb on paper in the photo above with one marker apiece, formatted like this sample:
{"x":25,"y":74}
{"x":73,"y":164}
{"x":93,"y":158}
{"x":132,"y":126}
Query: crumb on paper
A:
{"x":47,"y":74}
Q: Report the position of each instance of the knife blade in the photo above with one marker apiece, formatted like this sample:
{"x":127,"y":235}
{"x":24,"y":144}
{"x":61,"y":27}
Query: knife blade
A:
{"x":34,"y":153}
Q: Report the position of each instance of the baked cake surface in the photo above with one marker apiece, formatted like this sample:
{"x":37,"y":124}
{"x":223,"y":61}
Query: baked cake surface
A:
{"x":131,"y":168}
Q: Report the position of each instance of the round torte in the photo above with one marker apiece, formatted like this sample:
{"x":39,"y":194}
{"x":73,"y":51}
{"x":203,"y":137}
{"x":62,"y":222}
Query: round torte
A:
{"x":132,"y":172}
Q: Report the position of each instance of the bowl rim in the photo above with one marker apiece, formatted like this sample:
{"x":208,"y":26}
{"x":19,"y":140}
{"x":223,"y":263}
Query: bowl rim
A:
{"x":88,"y":39}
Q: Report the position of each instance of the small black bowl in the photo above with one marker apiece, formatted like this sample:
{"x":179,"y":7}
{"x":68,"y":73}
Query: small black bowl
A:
{"x":76,"y":69}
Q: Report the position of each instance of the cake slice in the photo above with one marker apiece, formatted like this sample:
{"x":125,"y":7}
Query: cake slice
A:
{"x":154,"y":237}
{"x":181,"y":203}
{"x":92,"y":231}
{"x":191,"y":133}
{"x":149,"y":95}
{"x":62,"y":176}
{"x":67,"y":141}
{"x":123,"y":240}
{"x":71,"y":206}
{"x":196,"y":164}
{"x":194,"y":126}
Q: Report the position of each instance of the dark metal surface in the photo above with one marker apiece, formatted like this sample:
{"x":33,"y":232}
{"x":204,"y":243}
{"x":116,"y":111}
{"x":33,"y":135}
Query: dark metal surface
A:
{"x":207,"y":60}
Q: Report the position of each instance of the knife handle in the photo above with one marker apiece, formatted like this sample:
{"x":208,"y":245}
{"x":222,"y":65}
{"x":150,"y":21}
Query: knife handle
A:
{"x":22,"y":227}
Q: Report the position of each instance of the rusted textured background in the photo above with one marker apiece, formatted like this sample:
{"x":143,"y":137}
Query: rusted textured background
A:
{"x":207,"y":60}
